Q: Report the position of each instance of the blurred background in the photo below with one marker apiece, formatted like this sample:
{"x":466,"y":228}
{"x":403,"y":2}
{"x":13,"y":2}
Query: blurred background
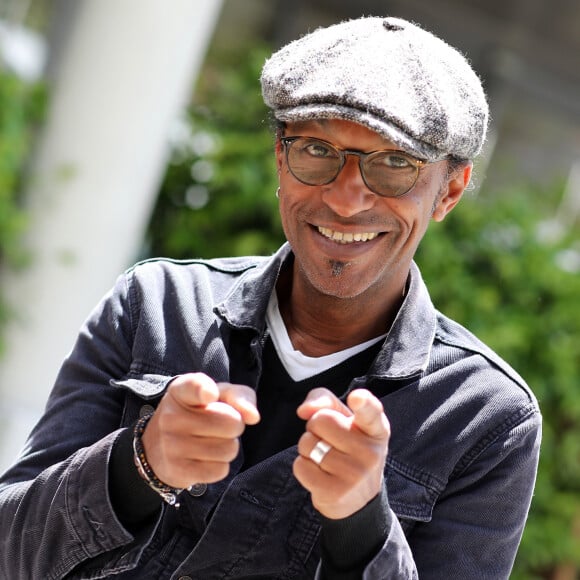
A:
{"x":136,"y":128}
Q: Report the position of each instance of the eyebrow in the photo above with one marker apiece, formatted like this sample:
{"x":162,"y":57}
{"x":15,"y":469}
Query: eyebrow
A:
{"x":386,"y":146}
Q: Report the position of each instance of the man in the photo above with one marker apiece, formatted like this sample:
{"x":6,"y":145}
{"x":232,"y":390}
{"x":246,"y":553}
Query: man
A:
{"x":228,"y":418}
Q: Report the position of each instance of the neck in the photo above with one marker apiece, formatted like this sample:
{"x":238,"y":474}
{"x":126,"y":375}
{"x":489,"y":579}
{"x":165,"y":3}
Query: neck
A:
{"x":319,"y":324}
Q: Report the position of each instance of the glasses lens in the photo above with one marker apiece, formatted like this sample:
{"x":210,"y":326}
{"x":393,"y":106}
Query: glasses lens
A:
{"x":390,"y":173}
{"x":312,"y":161}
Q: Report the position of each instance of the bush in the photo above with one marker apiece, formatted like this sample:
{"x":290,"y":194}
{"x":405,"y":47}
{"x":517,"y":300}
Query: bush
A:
{"x":21,"y":109}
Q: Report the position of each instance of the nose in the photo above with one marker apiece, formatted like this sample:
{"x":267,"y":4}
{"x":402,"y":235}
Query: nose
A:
{"x":348,"y":194}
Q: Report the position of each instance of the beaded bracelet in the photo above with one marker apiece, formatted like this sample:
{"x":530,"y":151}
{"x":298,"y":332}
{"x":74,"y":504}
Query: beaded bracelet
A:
{"x":168,"y":493}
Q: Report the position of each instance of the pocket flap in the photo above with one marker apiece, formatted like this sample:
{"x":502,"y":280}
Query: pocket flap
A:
{"x":411,"y":495}
{"x":146,"y":386}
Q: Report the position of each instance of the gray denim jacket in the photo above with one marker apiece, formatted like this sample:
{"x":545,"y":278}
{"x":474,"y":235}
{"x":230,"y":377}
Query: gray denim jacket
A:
{"x":460,"y":471}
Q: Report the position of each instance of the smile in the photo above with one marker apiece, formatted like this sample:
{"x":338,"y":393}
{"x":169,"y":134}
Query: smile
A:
{"x":347,"y":238}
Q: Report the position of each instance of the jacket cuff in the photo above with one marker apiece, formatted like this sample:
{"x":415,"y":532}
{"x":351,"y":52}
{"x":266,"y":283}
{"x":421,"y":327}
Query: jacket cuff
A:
{"x":349,"y":544}
{"x":133,"y":500}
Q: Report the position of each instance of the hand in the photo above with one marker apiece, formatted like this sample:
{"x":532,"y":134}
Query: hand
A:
{"x":193,"y":435}
{"x":351,"y":473}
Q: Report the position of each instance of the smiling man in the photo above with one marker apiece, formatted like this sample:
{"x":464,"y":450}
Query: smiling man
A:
{"x":305,"y":415}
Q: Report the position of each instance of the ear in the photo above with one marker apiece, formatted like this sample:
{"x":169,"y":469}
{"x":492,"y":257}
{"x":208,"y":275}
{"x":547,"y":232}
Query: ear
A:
{"x":452,"y":191}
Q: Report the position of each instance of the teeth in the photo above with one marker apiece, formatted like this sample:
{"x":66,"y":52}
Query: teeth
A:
{"x":347,"y":238}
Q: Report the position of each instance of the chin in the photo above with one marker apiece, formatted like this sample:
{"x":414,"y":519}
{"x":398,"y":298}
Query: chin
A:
{"x":339,"y":285}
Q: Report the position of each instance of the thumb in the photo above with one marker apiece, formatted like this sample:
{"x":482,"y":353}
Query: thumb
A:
{"x":194,"y":390}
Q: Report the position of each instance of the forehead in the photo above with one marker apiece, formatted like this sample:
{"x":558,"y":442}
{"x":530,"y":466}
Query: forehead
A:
{"x":345,"y":134}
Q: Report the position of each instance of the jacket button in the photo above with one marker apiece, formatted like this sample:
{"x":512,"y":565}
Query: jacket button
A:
{"x":146,"y":410}
{"x":197,"y":489}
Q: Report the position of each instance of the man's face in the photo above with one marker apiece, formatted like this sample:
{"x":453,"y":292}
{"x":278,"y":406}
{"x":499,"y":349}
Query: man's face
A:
{"x":347,"y":240}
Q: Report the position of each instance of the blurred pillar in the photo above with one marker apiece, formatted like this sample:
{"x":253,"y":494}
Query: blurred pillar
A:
{"x":568,"y":212}
{"x":122,"y":77}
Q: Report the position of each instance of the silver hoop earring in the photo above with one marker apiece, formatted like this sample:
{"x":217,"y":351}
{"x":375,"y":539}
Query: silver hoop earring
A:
{"x":278,"y":193}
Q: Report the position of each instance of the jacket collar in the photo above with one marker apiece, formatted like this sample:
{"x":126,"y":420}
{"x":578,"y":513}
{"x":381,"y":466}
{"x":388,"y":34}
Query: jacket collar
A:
{"x":406,"y":349}
{"x":245,"y":305}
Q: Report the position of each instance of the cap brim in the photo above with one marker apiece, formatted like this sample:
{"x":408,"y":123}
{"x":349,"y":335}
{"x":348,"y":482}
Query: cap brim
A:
{"x":400,"y":138}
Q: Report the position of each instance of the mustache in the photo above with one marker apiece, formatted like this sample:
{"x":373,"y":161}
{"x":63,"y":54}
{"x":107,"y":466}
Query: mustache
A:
{"x":326,"y":216}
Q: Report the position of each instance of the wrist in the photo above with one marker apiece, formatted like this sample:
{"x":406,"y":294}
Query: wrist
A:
{"x":168,"y":494}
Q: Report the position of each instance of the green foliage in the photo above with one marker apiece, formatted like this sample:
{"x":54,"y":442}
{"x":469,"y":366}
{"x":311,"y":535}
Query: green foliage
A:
{"x":21,"y":109}
{"x":488,"y":267}
{"x":218,"y":194}
{"x":21,"y":106}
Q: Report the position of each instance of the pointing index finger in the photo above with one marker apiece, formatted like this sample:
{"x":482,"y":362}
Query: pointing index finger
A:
{"x":369,"y":416}
{"x":321,"y":398}
{"x":241,"y":398}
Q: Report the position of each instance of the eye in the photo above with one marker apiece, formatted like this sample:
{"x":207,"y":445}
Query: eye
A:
{"x":319,"y":149}
{"x":397,"y":161}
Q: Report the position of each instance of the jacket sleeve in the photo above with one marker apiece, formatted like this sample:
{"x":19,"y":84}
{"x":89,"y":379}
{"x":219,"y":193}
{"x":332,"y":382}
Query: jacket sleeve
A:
{"x":55,"y":509}
{"x":348,"y":545}
{"x":478,"y":521}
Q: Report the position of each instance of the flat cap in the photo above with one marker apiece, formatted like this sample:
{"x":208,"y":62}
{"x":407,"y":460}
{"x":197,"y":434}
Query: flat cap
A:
{"x":387,"y":74}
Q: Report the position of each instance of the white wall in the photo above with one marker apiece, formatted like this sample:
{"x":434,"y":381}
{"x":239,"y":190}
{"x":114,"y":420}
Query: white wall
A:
{"x":121,"y":81}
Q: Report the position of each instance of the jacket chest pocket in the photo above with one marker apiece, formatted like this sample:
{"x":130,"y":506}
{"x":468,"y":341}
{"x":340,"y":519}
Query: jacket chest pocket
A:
{"x":412,"y":493}
{"x":143,"y":393}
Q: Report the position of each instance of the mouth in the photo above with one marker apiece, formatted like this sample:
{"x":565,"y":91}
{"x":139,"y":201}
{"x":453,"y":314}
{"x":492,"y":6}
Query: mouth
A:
{"x":346,"y":237}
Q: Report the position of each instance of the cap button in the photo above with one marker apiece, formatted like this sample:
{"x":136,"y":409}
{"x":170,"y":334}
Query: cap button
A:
{"x":392,"y":27}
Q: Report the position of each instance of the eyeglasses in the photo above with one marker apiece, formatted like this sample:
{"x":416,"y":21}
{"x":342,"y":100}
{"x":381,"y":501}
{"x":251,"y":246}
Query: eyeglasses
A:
{"x":388,"y":172}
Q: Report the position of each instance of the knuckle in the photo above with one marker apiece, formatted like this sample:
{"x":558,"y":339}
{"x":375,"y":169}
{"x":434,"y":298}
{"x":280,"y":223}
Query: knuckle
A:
{"x":219,"y":471}
{"x":230,"y":449}
{"x":323,"y":419}
{"x":229,"y":427}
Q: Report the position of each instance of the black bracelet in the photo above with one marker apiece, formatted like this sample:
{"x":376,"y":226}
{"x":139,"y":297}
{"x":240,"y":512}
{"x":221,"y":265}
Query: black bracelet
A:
{"x":168,"y":493}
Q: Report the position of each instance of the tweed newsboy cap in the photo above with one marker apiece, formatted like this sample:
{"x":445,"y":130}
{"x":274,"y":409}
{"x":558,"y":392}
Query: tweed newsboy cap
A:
{"x":387,"y":74}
